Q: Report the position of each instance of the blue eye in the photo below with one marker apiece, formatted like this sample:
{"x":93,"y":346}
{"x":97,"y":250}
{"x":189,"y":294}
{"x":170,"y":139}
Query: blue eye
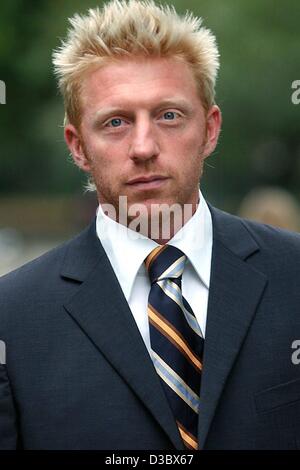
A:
{"x":170,"y":115}
{"x":114,"y":121}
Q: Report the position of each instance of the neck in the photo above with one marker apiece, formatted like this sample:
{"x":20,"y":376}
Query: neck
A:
{"x":159,"y":222}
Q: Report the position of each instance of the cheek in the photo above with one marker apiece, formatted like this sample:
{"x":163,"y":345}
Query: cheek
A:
{"x":189,"y":151}
{"x":191,"y":142}
{"x":106,"y":165}
{"x":98,"y":155}
{"x":191,"y":166}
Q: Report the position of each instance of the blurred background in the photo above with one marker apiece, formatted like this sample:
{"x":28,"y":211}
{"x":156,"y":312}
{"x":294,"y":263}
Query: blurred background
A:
{"x":255,"y":171}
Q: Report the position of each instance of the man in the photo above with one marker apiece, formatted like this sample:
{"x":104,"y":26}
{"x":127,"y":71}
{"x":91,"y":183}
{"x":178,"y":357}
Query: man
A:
{"x":148,"y":331}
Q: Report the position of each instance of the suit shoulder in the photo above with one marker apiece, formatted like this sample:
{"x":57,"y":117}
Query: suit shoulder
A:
{"x":272,"y":245}
{"x":264,"y":234}
{"x":271,"y":237}
{"x":39,"y":268}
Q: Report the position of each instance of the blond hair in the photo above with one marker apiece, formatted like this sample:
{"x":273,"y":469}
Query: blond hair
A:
{"x":133,"y":28}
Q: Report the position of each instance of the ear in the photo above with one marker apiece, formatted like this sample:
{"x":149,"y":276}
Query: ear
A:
{"x":213,"y":127}
{"x":74,"y":142}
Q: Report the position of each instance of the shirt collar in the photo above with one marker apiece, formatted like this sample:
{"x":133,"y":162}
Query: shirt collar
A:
{"x":127,"y":249}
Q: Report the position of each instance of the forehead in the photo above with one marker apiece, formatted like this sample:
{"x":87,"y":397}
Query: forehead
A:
{"x":138,"y":81}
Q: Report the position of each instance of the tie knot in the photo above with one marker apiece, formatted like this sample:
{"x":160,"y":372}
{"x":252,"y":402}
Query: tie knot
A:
{"x":165,"y":262}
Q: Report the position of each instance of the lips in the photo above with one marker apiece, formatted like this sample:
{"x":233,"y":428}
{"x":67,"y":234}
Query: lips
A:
{"x":150,"y":182}
{"x":146,"y":179}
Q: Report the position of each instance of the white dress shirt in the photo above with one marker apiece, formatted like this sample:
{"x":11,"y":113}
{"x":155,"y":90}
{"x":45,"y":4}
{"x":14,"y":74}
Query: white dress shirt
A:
{"x":127,"y":251}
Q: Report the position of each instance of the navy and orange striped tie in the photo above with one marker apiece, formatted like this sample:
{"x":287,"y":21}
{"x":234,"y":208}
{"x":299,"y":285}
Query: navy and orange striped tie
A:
{"x":176,"y":339}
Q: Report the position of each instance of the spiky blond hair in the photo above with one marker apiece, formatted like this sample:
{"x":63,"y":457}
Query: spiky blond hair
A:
{"x":133,"y":28}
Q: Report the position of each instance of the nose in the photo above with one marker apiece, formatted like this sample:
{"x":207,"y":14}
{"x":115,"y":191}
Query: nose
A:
{"x":144,"y":144}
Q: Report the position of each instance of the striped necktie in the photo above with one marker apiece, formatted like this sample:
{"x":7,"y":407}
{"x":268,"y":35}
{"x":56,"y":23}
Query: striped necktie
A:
{"x":176,"y":339}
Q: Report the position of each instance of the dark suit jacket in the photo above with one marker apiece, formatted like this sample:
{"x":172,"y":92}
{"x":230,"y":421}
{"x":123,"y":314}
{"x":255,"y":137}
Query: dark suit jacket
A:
{"x":78,"y":375}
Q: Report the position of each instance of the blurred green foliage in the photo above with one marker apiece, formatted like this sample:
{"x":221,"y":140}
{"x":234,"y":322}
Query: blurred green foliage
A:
{"x":259,"y":144}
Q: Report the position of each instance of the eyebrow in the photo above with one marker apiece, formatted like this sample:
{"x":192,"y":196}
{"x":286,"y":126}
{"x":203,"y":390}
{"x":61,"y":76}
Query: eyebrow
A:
{"x":170,"y":102}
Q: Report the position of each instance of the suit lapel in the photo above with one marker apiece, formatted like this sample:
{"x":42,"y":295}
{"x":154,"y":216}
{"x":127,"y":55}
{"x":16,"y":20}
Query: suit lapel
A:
{"x":102,"y":312}
{"x":235,"y":291}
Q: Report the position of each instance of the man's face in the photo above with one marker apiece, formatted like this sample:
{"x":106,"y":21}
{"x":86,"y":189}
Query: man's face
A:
{"x":143,"y":118}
